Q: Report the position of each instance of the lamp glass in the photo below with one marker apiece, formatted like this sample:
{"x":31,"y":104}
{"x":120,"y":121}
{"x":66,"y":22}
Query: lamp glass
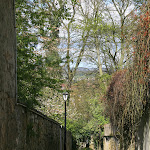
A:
{"x":65,"y":96}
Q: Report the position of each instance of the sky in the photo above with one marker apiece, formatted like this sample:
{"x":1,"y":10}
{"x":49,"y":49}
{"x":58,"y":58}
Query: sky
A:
{"x":75,"y":34}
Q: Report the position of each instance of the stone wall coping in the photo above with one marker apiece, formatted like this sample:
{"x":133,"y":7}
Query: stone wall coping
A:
{"x":39,"y":114}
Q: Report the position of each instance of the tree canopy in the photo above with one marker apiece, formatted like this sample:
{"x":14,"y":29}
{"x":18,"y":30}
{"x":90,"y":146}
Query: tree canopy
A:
{"x":36,"y":32}
{"x":108,"y":39}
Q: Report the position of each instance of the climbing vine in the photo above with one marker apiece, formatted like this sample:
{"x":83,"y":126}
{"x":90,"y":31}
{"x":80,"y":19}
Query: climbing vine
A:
{"x":128,"y":92}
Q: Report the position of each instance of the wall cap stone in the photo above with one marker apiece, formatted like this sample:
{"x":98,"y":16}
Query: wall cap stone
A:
{"x":39,"y":114}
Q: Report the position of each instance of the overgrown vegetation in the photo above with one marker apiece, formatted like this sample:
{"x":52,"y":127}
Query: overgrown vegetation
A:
{"x":86,"y":117}
{"x":36,"y":33}
{"x":119,"y":45}
{"x":128,"y":93}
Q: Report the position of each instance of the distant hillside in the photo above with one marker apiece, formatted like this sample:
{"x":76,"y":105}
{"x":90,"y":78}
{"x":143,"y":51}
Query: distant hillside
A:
{"x":86,"y":73}
{"x":82,"y":69}
{"x":88,"y":70}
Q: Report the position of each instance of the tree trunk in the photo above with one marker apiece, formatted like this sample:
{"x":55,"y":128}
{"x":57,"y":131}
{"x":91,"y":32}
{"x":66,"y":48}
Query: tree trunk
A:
{"x":98,"y":57}
{"x":7,"y":74}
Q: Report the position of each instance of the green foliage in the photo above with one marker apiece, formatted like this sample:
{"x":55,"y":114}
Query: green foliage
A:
{"x":95,"y":124}
{"x":139,"y":2}
{"x":128,"y":94}
{"x":104,"y":82}
{"x":86,"y":116}
{"x":33,"y":26}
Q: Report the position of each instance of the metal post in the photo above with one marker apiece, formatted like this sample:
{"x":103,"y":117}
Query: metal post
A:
{"x":65,"y":129}
{"x":60,"y":138}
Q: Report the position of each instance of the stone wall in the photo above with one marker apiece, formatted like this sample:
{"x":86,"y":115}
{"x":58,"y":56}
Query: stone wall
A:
{"x":143,"y":135}
{"x":110,"y":141}
{"x":31,"y":130}
{"x":7,"y":74}
{"x":36,"y":131}
{"x":21,"y":128}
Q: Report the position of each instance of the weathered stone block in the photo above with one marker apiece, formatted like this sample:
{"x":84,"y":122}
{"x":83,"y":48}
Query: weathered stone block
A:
{"x":108,"y":130}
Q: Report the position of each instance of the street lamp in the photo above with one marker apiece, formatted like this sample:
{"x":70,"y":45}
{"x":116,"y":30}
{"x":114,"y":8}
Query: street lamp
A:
{"x":65,"y":97}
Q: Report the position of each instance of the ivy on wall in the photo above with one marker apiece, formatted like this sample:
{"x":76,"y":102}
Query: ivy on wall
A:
{"x":128,"y":93}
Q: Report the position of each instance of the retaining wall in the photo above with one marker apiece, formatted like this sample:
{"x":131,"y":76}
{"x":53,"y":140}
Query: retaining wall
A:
{"x":143,"y":135}
{"x":21,"y":128}
{"x":36,"y":131}
{"x":110,"y":142}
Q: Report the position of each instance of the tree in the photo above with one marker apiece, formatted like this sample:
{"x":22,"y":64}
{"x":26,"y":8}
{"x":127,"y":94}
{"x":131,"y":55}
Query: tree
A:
{"x":96,"y":24}
{"x":35,"y":28}
{"x":108,"y":33}
{"x":118,"y":54}
{"x":85,"y":112}
{"x":75,"y":48}
{"x":128,"y":94}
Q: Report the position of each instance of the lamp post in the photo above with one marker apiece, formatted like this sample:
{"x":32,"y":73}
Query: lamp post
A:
{"x":65,"y":97}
